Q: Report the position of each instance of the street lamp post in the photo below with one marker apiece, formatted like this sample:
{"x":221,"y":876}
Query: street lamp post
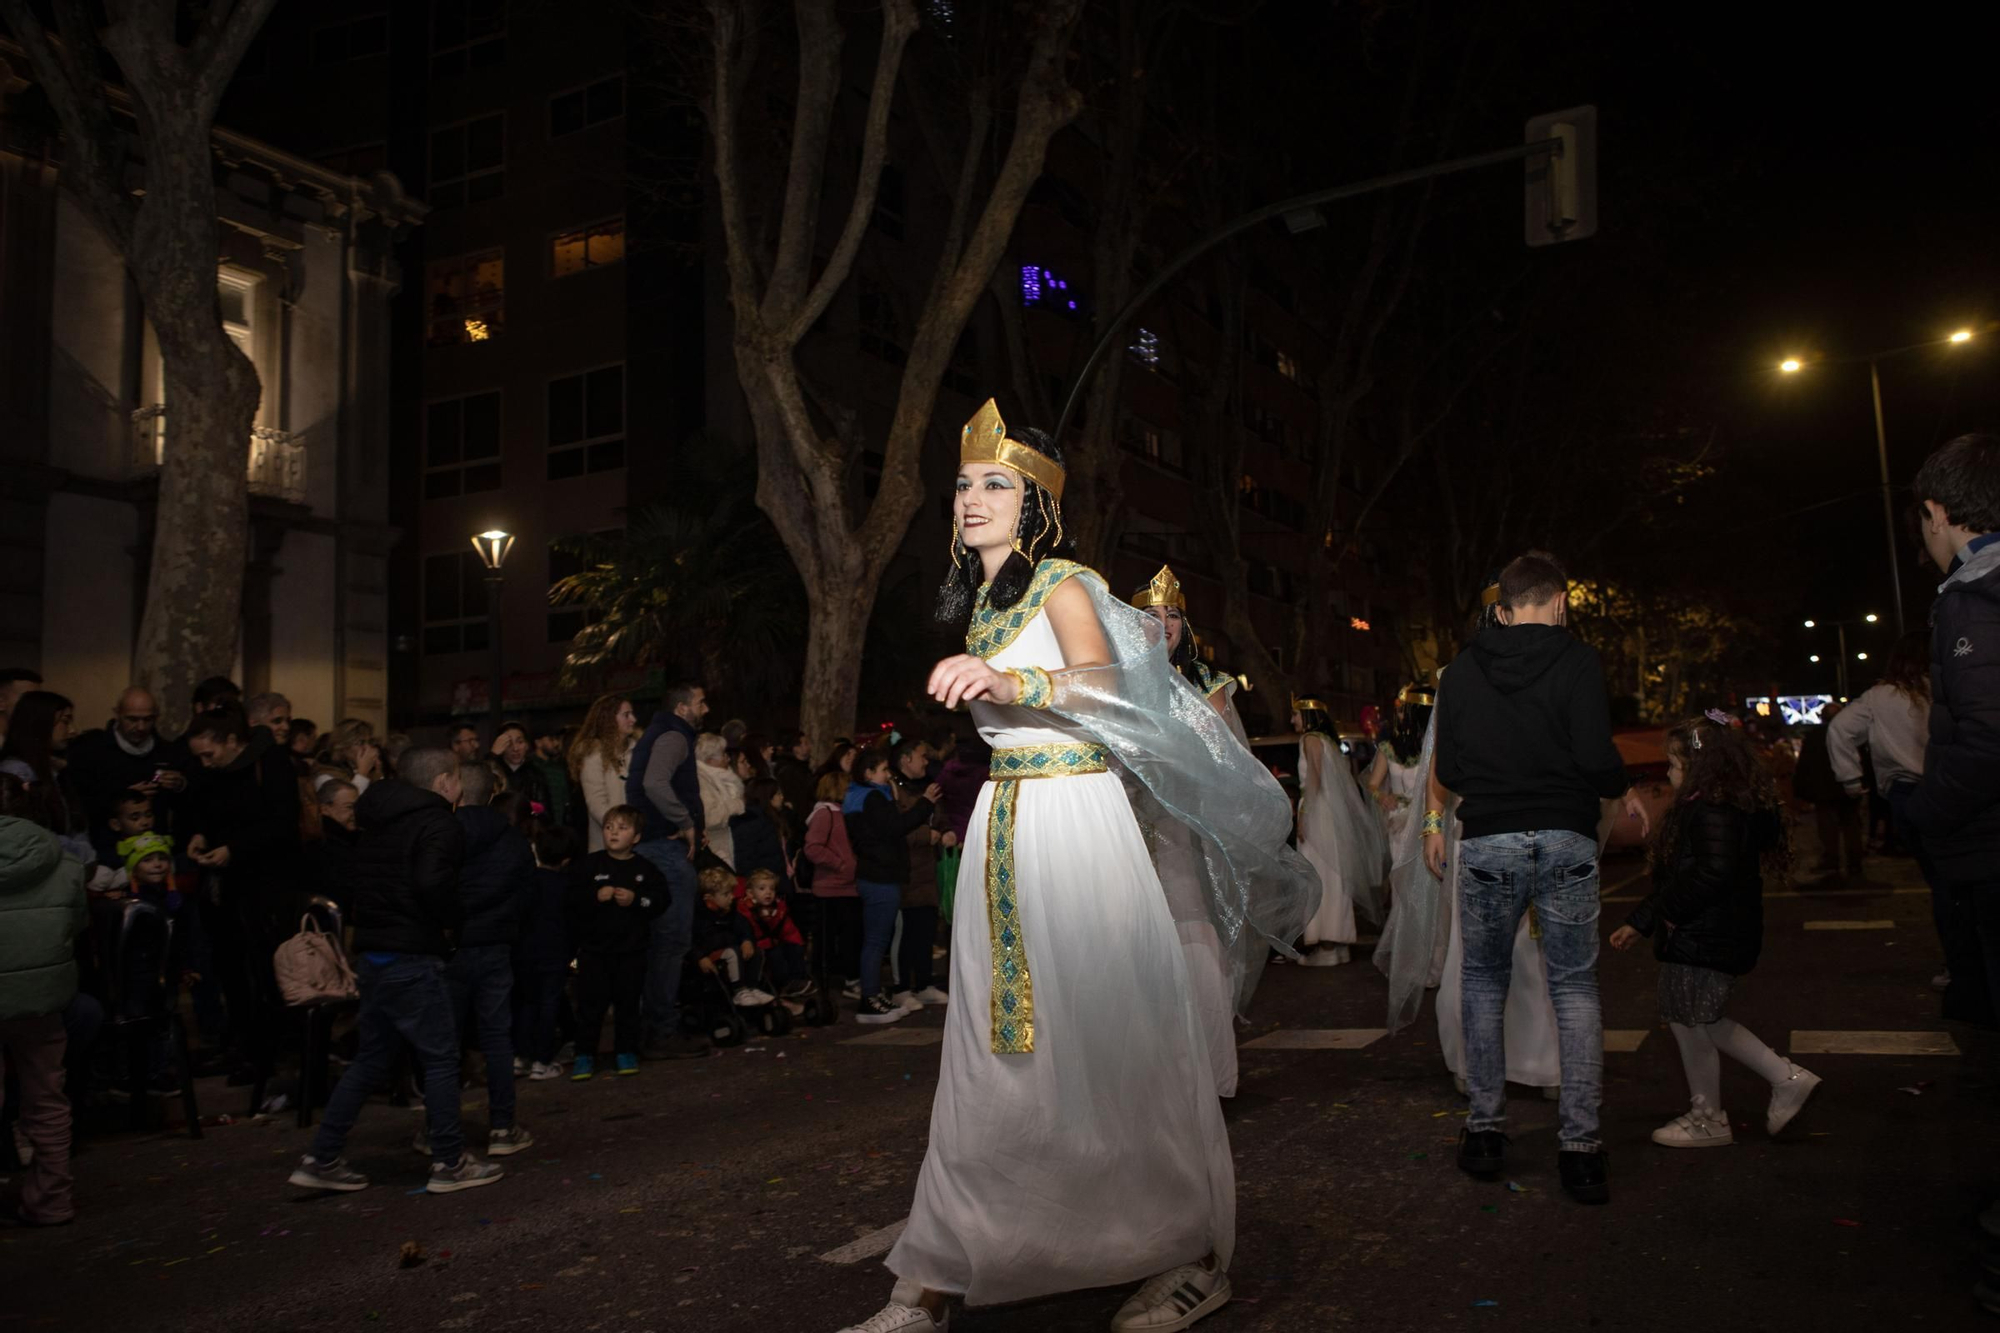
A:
{"x":1792,"y":365}
{"x":493,"y":546}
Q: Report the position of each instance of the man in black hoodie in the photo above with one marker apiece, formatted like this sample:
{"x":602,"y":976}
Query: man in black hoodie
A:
{"x":405,"y":909}
{"x":495,"y":885}
{"x":1524,"y":739}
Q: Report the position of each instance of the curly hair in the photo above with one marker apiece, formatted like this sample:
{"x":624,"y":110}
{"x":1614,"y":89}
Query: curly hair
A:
{"x":598,"y":735}
{"x":1039,"y":536}
{"x":1720,"y":766}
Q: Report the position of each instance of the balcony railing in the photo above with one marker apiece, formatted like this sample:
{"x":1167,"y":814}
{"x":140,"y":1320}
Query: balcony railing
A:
{"x":276,"y":467}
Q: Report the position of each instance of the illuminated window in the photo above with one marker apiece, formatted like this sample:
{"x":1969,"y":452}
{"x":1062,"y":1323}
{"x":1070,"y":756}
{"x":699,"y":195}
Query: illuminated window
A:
{"x":462,"y":446}
{"x":465,"y":298}
{"x":467,"y":34}
{"x":468,"y":162}
{"x":455,"y":619}
{"x":589,"y":247}
{"x":1288,"y":366}
{"x":1046,"y":289}
{"x":579,"y":110}
{"x":587,"y":423}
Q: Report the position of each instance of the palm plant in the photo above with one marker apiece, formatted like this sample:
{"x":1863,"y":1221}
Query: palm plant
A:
{"x":708,"y":594}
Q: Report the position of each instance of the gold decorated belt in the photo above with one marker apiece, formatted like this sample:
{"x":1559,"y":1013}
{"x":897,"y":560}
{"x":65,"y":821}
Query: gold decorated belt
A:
{"x":1013,"y":1007}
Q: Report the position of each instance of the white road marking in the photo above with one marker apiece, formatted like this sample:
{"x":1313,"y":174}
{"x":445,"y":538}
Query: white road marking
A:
{"x":1316,"y":1039}
{"x":1625,"y":1040}
{"x":866,"y":1247}
{"x":1873,"y":1043}
{"x":899,"y":1037}
{"x":1850,"y":925}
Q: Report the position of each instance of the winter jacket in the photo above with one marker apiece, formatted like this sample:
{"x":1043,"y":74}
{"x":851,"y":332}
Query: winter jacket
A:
{"x":1892,"y":725}
{"x":721,"y":801}
{"x":830,"y":851}
{"x":528,"y":780}
{"x":1956,"y":808}
{"x":663,"y":786}
{"x":607,"y":927}
{"x":101,"y":771}
{"x":42,"y":914}
{"x":754,"y":837}
{"x":770,"y":926}
{"x":719,"y":929}
{"x":404,"y":871}
{"x":1524,"y":733}
{"x":1713,"y":891}
{"x":555,"y":786}
{"x":251,"y":806}
{"x":544,"y":946}
{"x":1813,"y":779}
{"x":879,"y":831}
{"x":496,"y":879}
{"x":920,"y":885}
{"x":795,"y":779}
{"x":959,"y":783}
{"x":603,"y":783}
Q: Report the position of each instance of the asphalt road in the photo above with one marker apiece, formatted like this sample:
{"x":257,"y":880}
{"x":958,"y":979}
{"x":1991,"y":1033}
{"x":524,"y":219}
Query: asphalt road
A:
{"x":703,"y":1195}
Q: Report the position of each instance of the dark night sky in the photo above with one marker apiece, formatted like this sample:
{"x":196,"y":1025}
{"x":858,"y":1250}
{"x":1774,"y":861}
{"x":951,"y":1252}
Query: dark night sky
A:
{"x":1774,"y":179}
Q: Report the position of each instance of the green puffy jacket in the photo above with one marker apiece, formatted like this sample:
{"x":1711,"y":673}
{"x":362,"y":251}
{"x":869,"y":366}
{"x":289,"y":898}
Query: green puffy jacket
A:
{"x":41,"y":915}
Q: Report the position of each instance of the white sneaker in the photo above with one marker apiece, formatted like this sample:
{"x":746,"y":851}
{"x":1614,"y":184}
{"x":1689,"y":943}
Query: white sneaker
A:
{"x":542,"y":1073}
{"x":1789,"y":1098}
{"x":852,"y":990}
{"x":1326,"y":955}
{"x":932,"y":995}
{"x":896,"y":1317}
{"x":1696,"y":1129}
{"x":520,"y":1066}
{"x":877,"y":1009}
{"x":909,"y":1002}
{"x":749,"y":997}
{"x":1174,"y":1300}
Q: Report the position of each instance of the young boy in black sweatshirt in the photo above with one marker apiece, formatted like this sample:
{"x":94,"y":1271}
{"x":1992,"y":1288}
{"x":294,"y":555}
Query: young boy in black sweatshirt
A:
{"x":613,"y":897}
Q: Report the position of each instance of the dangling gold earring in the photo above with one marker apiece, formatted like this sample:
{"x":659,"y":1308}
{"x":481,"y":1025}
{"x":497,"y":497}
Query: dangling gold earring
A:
{"x":957,"y":547}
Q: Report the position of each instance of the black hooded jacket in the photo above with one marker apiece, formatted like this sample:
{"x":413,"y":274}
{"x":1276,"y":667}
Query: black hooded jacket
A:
{"x":1712,"y":891}
{"x":403,"y":871}
{"x":1956,"y":806}
{"x":497,"y":880}
{"x":1524,"y":733}
{"x":251,"y":806}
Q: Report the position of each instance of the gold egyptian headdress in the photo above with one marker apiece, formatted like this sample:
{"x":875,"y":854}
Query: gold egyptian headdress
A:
{"x":985,"y":441}
{"x":1421,"y":695}
{"x":1309,"y":705}
{"x":1164,"y":590}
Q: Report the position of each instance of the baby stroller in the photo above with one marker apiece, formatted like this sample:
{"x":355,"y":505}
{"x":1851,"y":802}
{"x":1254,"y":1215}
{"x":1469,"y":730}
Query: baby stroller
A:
{"x":711,"y":998}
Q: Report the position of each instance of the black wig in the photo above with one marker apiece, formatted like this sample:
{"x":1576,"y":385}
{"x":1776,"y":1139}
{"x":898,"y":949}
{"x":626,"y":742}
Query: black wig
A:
{"x":1039,"y":536}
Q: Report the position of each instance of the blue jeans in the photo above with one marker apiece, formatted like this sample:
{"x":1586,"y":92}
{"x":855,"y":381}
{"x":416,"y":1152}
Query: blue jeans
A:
{"x":879,"y":905}
{"x":404,"y":1000}
{"x":481,"y":980}
{"x":673,"y":935}
{"x":1499,"y":876}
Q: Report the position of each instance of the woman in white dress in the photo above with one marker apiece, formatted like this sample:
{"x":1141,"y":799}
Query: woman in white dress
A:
{"x":600,"y":756}
{"x":1174,"y":846}
{"x":1076,"y":1139}
{"x":1339,"y":836}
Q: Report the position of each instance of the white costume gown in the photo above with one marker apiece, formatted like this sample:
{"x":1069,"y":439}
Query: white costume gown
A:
{"x":1100,"y":1157}
{"x":1405,"y":783}
{"x":1339,"y":836}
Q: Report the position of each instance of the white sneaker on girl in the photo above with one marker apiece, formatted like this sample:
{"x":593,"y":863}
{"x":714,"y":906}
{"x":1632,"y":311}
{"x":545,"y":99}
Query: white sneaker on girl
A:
{"x":1699,"y":1128}
{"x":1789,"y":1098}
{"x":1173,"y":1300}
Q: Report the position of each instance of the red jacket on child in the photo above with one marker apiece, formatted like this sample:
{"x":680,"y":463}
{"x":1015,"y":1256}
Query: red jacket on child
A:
{"x":771,"y":926}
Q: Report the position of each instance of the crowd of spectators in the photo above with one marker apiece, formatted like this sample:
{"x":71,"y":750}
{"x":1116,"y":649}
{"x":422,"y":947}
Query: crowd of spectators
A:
{"x":498,"y":895}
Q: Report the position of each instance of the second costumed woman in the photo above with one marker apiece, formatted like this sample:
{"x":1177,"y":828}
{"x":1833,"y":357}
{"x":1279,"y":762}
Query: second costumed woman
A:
{"x":1076,"y":1140}
{"x":1339,"y":835}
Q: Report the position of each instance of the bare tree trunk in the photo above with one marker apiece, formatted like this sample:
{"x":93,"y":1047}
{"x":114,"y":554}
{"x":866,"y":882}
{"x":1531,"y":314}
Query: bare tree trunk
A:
{"x":168,"y":237}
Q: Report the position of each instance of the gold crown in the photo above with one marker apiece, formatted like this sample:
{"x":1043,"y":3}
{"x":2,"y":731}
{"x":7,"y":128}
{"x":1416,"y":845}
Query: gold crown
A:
{"x":1417,"y":694}
{"x":1309,"y":705}
{"x":1491,"y":595}
{"x":984,"y":440}
{"x":1164,"y":590}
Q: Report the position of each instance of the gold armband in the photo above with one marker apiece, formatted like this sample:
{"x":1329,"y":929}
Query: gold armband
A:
{"x":1433,"y":822}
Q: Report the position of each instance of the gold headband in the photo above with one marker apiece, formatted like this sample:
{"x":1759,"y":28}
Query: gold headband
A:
{"x":1416,"y":694}
{"x":984,"y":440}
{"x":1491,"y":595}
{"x":1164,"y":590}
{"x":1308,"y":706}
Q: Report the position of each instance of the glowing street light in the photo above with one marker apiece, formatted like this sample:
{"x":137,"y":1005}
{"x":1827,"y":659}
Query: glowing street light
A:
{"x":1861,"y":657}
{"x":493,"y":546}
{"x":1810,"y":625}
{"x":1871,"y":617}
{"x":1813,"y":658}
{"x":1791,"y":365}
{"x":1962,"y":336}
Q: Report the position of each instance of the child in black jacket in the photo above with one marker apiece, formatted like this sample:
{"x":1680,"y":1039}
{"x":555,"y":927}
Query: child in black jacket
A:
{"x":1706,"y":916}
{"x":724,"y":944}
{"x":613,"y":897}
{"x":542,"y":954}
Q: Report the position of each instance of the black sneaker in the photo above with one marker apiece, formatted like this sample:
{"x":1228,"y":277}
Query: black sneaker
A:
{"x":879,"y":1009}
{"x":1482,"y":1152}
{"x":1583,"y":1176}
